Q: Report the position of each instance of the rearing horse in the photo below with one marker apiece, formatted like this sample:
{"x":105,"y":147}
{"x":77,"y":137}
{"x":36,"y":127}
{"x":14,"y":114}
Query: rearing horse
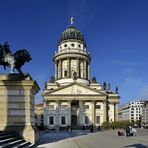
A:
{"x":16,"y":60}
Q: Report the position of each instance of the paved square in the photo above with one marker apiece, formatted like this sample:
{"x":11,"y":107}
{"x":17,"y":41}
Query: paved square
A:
{"x":102,"y":139}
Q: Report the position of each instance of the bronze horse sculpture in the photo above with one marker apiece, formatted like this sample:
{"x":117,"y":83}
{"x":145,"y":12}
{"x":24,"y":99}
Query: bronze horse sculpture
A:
{"x":14,"y":61}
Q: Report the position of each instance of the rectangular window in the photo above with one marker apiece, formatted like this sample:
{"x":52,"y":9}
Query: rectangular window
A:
{"x":42,"y":116}
{"x":51,"y":120}
{"x":64,"y":106}
{"x":65,"y":73}
{"x":86,"y":106}
{"x":63,"y":120}
{"x":86,"y":120}
{"x":98,"y":119}
{"x":98,"y":107}
{"x":51,"y":106}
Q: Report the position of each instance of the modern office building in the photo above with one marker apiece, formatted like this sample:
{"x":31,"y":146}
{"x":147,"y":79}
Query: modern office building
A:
{"x":145,"y":114}
{"x":131,"y":111}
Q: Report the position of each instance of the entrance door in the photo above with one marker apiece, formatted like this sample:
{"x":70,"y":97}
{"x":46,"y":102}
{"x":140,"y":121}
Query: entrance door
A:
{"x":73,"y":120}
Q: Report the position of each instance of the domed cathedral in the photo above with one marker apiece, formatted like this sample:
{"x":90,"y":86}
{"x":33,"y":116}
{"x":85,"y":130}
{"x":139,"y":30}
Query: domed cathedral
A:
{"x":72,"y":60}
{"x":71,"y":99}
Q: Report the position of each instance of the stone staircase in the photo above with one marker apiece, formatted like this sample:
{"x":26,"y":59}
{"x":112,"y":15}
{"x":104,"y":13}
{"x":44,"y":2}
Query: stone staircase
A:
{"x":9,"y":141}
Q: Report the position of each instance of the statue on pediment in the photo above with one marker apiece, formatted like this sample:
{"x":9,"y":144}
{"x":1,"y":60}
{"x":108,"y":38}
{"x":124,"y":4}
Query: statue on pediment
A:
{"x":104,"y":86}
{"x":116,"y":89}
{"x":74,"y":75}
{"x":94,"y":80}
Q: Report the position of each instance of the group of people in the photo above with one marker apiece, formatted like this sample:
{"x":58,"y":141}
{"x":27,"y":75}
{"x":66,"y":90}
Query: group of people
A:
{"x":129,"y":131}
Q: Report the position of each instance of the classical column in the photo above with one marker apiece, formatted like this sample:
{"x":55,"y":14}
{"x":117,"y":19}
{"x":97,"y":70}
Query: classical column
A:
{"x":57,"y":122}
{"x":88,"y":74}
{"x":81,"y":114}
{"x":78,"y":68}
{"x":93,"y":112}
{"x":56,"y":70}
{"x":104,"y":111}
{"x":84,"y":67}
{"x":69,"y":112}
{"x":68,"y":67}
{"x":61,"y":69}
{"x":116,"y":111}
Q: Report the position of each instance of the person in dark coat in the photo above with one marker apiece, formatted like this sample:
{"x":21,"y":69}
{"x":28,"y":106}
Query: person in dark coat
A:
{"x":127,"y":130}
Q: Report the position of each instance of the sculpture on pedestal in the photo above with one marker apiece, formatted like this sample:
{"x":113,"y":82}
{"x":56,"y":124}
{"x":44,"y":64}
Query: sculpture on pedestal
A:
{"x":16,"y":60}
{"x":104,"y":86}
{"x":74,"y":75}
{"x":94,"y":80}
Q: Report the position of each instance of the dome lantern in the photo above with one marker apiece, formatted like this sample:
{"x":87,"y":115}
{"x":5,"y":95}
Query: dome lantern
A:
{"x":72,"y":33}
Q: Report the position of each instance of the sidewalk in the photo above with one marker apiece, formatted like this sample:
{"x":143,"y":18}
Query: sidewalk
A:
{"x":102,"y":139}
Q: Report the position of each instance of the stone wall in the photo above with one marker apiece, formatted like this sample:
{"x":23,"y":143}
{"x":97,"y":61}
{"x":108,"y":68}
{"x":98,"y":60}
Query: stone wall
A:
{"x":17,"y":106}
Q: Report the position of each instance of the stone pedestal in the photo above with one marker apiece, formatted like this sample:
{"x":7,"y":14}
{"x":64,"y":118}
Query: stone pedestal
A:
{"x":17,"y":106}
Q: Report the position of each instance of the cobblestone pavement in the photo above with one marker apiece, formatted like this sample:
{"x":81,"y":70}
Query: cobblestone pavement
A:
{"x":101,"y":139}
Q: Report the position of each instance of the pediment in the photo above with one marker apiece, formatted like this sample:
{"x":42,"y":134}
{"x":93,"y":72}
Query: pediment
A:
{"x":76,"y":89}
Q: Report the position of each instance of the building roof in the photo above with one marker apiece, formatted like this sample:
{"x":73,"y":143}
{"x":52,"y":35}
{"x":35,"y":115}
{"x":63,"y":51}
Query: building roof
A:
{"x":75,"y":90}
{"x":72,"y":33}
{"x":39,"y":105}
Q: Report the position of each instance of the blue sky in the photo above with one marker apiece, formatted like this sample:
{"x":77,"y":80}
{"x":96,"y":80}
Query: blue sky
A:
{"x":116,"y":33}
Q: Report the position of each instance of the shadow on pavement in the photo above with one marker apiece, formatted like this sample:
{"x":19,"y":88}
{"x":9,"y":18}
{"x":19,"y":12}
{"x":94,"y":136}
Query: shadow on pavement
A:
{"x":55,"y":137}
{"x":138,"y":145}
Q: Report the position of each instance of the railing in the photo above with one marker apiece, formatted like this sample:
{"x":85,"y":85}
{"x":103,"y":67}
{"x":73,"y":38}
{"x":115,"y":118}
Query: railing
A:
{"x":72,"y":50}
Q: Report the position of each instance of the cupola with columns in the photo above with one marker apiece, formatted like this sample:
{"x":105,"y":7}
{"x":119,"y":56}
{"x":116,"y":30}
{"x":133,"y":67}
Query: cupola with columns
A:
{"x":72,"y":60}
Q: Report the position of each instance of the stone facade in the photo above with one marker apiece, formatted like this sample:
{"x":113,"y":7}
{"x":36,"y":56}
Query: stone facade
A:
{"x":39,"y":115}
{"x":72,"y":99}
{"x":17,"y":106}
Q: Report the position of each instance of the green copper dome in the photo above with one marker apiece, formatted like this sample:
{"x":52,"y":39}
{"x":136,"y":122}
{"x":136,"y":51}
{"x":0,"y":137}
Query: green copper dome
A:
{"x":72,"y":33}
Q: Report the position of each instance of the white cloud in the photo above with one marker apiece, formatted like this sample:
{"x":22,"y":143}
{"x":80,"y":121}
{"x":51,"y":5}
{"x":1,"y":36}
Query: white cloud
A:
{"x":134,"y":88}
{"x":132,"y":81}
{"x":128,"y":70}
{"x":124,"y":63}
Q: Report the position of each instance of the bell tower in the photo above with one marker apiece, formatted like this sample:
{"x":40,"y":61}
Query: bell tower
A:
{"x":72,"y":60}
